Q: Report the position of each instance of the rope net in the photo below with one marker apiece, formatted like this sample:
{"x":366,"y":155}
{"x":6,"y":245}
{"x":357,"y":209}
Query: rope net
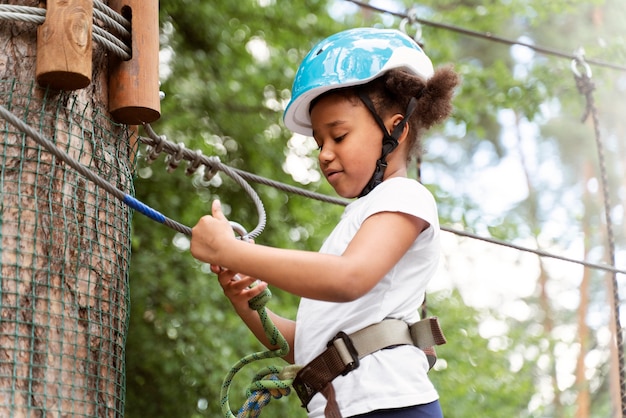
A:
{"x":65,"y":252}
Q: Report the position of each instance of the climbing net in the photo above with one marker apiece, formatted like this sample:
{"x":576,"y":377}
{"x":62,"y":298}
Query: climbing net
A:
{"x":65,"y":252}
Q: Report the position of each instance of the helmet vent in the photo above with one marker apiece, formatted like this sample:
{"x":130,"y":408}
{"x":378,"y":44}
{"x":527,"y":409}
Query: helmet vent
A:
{"x":319,"y":51}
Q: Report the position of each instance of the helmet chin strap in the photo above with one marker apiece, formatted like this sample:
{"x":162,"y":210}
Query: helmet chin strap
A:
{"x":390,"y":140}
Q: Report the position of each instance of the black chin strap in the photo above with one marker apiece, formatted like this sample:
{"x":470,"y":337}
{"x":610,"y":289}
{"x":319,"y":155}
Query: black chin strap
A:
{"x":390,"y":140}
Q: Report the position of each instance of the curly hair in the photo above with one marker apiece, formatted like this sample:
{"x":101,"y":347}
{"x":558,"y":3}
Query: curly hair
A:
{"x":391,"y":93}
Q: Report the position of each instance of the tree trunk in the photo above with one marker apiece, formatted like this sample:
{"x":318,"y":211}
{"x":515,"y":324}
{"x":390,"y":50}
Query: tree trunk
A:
{"x":65,"y":244}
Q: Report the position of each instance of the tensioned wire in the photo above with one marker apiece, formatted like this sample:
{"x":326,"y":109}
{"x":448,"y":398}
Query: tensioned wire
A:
{"x":586,"y":87}
{"x":159,"y":144}
{"x":121,"y":25}
{"x":195,"y":158}
{"x":119,"y":194}
{"x":240,"y":176}
{"x":412,"y":18}
{"x":118,"y":23}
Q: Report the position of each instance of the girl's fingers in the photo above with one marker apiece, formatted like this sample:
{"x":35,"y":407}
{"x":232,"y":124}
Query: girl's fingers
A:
{"x":217,"y":269}
{"x":225,"y":276}
{"x":250,"y":292}
{"x":240,"y":282}
{"x":216,"y":210}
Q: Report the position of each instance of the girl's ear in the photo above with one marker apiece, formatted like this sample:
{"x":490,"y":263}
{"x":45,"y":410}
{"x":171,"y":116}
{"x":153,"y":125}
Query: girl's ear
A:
{"x":395,"y":121}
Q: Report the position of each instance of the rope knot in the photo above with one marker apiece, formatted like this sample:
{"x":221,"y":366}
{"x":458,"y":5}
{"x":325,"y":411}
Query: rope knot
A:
{"x":266,"y":385}
{"x":259,"y":301}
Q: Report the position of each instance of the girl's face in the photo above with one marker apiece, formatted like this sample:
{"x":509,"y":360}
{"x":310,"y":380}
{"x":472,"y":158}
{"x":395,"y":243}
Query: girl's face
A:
{"x":349,"y":140}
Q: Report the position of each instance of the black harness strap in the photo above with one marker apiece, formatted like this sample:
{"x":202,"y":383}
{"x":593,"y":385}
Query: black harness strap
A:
{"x":390,"y":140}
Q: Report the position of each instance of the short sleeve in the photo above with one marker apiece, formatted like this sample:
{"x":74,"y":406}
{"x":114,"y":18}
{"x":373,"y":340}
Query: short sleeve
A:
{"x":403,"y":195}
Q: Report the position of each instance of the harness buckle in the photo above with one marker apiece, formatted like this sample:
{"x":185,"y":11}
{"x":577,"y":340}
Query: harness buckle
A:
{"x":348,"y":353}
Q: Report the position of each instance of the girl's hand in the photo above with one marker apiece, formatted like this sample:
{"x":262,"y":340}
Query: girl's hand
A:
{"x":237,"y":287}
{"x":210,"y":235}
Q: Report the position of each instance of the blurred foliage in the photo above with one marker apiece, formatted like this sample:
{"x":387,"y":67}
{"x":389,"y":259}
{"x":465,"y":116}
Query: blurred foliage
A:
{"x":228,"y":68}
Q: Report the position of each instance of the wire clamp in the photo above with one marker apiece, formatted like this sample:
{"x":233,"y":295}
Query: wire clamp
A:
{"x":153,"y":152}
{"x":194,"y":163}
{"x":412,"y":20}
{"x":173,"y":160}
{"x":211,"y":169}
{"x":579,"y":62}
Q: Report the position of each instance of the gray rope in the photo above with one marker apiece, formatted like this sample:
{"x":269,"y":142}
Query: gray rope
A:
{"x":488,"y":36}
{"x":27,"y":10}
{"x":37,"y":16}
{"x":291,"y":189}
{"x":111,"y":23}
{"x":157,"y":144}
{"x":540,"y":253}
{"x":213,"y":163}
{"x":23,"y":14}
{"x":34,"y":15}
{"x":586,"y":87}
{"x":87,"y":173}
{"x":114,"y":44}
{"x":101,"y":7}
{"x":160,"y":143}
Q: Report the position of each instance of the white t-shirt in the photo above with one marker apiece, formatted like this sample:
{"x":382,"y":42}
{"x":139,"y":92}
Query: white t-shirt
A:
{"x":389,"y":378}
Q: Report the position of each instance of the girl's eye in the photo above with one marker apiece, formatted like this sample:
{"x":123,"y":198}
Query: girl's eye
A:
{"x":337,"y":140}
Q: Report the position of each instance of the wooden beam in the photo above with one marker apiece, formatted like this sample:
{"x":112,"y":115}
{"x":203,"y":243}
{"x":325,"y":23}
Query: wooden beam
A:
{"x":64,"y":45}
{"x":134,"y":84}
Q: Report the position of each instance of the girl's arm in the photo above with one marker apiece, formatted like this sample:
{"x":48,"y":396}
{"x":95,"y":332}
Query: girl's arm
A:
{"x":378,"y":245}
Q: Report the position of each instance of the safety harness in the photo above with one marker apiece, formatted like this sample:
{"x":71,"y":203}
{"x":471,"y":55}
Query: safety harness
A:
{"x":344,"y":352}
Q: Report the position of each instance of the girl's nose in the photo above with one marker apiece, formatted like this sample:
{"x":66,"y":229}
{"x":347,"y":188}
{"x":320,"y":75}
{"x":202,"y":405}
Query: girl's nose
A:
{"x":326,"y":154}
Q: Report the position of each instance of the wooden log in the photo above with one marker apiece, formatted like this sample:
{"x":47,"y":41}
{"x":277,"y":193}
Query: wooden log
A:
{"x":64,"y":45}
{"x":134,"y":84}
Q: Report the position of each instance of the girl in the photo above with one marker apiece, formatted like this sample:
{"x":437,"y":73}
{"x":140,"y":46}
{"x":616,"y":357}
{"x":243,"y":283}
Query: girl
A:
{"x":365,"y":95}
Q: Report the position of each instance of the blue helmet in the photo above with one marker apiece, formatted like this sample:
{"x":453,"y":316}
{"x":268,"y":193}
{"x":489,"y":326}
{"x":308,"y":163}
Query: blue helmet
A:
{"x":350,"y":58}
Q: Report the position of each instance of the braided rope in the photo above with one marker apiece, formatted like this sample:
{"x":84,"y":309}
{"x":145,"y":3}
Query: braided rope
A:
{"x":266,"y":385}
{"x":112,"y":24}
{"x":158,"y":144}
{"x":37,"y":15}
{"x":586,"y":87}
{"x":270,"y":382}
{"x":113,"y":43}
{"x":112,"y":14}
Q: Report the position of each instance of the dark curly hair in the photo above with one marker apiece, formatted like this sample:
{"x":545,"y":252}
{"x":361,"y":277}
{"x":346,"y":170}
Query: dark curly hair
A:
{"x":391,"y":92}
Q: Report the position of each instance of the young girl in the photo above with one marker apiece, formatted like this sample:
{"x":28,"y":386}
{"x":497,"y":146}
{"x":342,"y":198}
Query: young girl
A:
{"x":365,"y":96}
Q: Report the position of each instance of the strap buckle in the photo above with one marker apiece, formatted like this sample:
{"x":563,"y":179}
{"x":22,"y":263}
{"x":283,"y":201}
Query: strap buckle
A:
{"x":304,"y":391}
{"x":348,"y":353}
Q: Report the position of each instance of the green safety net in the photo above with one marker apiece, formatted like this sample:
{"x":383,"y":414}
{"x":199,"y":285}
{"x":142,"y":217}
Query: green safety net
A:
{"x":64,"y":254}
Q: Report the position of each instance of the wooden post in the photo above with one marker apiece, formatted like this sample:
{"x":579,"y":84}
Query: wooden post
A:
{"x":134,"y":84}
{"x":64,"y":45}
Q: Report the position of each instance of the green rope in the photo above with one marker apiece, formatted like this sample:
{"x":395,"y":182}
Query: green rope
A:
{"x":269,"y":382}
{"x":266,"y":385}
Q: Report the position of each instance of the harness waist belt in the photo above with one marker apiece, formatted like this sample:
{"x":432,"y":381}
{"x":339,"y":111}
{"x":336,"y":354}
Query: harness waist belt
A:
{"x":345,"y":351}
